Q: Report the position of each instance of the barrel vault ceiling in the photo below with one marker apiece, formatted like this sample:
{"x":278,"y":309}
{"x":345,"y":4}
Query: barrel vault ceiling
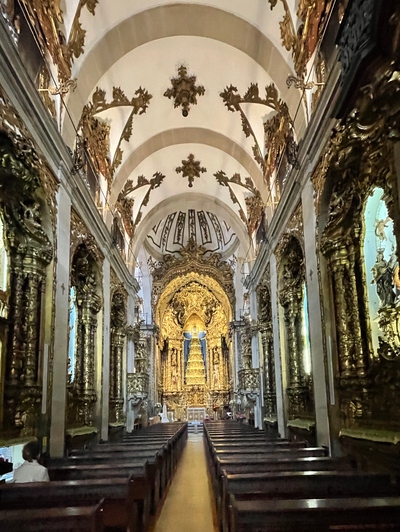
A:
{"x":175,"y":156}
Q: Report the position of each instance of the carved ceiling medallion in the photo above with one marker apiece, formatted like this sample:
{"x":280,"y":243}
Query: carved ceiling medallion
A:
{"x":184,"y":91}
{"x":190,"y":169}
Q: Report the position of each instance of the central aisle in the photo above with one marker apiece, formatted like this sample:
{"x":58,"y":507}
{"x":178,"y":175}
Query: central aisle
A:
{"x":189,"y":505}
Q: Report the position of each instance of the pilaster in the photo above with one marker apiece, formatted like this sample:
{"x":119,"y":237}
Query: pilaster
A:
{"x":315,"y":319}
{"x":58,"y":400}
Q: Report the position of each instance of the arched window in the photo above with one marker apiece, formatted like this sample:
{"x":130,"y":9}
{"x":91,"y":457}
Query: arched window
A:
{"x":73,"y":315}
{"x":306,"y":334}
{"x":381,"y":265}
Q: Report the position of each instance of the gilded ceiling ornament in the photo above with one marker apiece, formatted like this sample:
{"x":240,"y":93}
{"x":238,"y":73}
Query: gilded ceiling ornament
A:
{"x":190,"y":169}
{"x":96,"y":132}
{"x":254,"y":203}
{"x":46,"y":17}
{"x":124,"y":204}
{"x":184,"y":91}
{"x":302,"y":42}
{"x":278,"y":130}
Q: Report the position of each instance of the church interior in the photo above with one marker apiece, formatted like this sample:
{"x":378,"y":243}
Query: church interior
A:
{"x":199,"y":217}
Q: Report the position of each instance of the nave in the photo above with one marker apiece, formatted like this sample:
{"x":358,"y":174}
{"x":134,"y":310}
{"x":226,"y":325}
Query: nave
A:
{"x":232,"y":478}
{"x":189,"y":505}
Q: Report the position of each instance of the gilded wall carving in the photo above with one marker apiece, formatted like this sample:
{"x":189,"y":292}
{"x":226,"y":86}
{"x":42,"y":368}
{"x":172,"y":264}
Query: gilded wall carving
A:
{"x":28,"y":209}
{"x":193,"y":260}
{"x":359,"y":158}
{"x":117,"y":344}
{"x":291,"y":294}
{"x":46,"y":17}
{"x":267,"y":342}
{"x":86,"y":280}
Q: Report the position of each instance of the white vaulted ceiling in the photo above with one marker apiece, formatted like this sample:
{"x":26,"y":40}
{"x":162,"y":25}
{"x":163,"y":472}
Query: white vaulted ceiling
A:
{"x":136,"y":43}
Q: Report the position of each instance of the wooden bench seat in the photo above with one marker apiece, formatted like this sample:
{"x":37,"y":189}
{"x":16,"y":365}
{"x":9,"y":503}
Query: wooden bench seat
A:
{"x":313,"y":484}
{"x":315,"y":515}
{"x":67,"y":519}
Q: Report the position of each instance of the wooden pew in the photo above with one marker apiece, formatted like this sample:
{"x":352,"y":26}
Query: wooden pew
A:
{"x":300,"y":484}
{"x":67,"y":519}
{"x":315,"y":515}
{"x":119,"y":506}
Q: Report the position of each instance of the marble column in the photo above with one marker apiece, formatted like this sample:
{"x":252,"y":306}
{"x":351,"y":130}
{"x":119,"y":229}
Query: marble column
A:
{"x":280,"y":406}
{"x":60,"y":361}
{"x":315,"y":321}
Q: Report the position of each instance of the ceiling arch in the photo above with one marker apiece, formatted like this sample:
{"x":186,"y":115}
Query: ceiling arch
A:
{"x":188,"y":135}
{"x":170,"y":21}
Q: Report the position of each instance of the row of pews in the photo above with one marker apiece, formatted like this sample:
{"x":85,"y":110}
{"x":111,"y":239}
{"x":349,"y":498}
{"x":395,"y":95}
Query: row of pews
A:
{"x":111,"y":487}
{"x":268,"y":485}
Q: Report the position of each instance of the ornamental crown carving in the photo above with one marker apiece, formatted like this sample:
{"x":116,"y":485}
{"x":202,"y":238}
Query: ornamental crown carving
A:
{"x":184,"y":90}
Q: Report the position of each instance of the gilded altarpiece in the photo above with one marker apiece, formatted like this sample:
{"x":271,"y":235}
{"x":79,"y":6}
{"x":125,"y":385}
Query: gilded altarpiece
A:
{"x":267,"y":343}
{"x":193,"y":311}
{"x":117,"y":344}
{"x":292,"y":298}
{"x":86,"y":284}
{"x":358,"y":159}
{"x":28,"y":213}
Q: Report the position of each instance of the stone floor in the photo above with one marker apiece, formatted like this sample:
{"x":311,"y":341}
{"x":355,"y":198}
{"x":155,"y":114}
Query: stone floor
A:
{"x":189,"y":505}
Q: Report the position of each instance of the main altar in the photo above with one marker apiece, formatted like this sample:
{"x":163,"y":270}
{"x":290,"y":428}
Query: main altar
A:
{"x":193,"y":311}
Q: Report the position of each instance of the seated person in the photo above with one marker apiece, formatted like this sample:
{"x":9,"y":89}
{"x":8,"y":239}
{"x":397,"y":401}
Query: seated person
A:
{"x":31,"y":470}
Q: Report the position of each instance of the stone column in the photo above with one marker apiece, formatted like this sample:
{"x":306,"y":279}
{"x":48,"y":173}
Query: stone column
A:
{"x":315,"y":321}
{"x":60,"y":361}
{"x":106,"y":351}
{"x":280,"y":408}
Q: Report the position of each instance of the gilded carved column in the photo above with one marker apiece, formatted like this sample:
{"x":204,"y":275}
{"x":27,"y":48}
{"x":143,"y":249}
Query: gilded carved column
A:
{"x":341,"y":263}
{"x":16,"y":355}
{"x":291,"y":297}
{"x":117,"y":341}
{"x":82,"y":392}
{"x":32,"y":319}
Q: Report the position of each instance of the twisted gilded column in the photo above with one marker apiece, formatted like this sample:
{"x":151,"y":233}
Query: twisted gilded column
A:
{"x":16,"y":355}
{"x":269,"y":370}
{"x":341,"y":264}
{"x":32,"y":320}
{"x":116,"y":380}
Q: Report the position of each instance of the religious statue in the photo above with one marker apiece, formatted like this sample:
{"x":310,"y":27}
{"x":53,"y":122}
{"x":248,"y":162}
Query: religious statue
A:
{"x":382,"y":272}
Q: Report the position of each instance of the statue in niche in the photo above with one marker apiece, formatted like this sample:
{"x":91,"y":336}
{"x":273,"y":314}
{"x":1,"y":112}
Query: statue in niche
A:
{"x":32,"y":215}
{"x":382,"y":272}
